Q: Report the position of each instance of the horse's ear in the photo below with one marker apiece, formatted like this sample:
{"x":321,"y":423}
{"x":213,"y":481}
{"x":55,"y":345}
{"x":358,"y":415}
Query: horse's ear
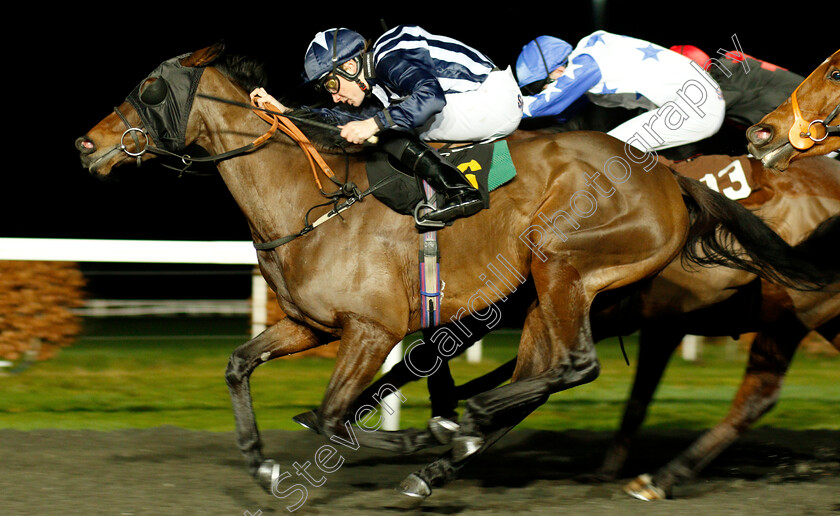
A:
{"x":205,"y":56}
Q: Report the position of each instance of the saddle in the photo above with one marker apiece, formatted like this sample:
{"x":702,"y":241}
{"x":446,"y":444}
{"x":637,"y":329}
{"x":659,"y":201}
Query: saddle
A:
{"x":486,"y":166}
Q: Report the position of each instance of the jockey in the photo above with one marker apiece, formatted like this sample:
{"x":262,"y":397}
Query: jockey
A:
{"x":681,"y":102}
{"x":413,"y":86}
{"x":751,"y":87}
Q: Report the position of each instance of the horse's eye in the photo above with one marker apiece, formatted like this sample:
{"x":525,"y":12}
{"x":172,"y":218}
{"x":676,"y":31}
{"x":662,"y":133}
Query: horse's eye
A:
{"x":154,"y":91}
{"x":835,"y":75}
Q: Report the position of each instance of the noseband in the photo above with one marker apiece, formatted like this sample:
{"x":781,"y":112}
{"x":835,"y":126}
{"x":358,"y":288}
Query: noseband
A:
{"x":133,"y":131}
{"x":803,"y":134}
{"x":186,"y":159}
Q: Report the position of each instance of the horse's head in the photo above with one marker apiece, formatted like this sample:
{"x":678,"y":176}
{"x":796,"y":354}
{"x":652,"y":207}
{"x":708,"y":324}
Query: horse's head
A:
{"x":156,"y":113}
{"x":798,"y":128}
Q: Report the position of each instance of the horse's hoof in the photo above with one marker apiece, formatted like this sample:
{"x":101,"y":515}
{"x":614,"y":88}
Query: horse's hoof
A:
{"x":308,"y":420}
{"x":464,"y":446}
{"x":443,"y":429}
{"x":643,"y":488}
{"x":415,"y":487}
{"x":267,"y":474}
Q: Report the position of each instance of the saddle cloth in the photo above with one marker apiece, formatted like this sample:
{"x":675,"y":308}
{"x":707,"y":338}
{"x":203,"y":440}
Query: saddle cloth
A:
{"x":487,"y":166}
{"x":732,"y":176}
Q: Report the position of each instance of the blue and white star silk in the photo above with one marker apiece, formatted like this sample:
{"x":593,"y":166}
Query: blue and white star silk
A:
{"x":650,"y":52}
{"x":581,"y":74}
{"x":614,"y":70}
{"x":593,"y":39}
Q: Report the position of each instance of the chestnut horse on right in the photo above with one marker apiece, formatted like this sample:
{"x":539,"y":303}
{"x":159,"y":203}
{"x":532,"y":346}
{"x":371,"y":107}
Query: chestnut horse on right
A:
{"x":804,"y":125}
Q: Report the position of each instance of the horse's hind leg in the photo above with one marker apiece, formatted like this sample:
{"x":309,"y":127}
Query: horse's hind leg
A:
{"x":770,"y":356}
{"x":486,"y":382}
{"x":656,"y":345}
{"x":445,"y":469}
{"x":560,"y":354}
{"x":284,"y":338}
{"x":556,"y":352}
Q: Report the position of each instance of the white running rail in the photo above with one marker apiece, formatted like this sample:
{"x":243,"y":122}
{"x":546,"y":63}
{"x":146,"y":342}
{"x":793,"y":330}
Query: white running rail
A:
{"x":165,"y":251}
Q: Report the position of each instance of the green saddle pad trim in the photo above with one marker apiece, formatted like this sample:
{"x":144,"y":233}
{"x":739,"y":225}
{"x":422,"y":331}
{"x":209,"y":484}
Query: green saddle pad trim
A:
{"x":502,"y":169}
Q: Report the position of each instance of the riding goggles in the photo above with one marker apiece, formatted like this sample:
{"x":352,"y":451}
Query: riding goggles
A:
{"x":536,"y":87}
{"x":330,"y":82}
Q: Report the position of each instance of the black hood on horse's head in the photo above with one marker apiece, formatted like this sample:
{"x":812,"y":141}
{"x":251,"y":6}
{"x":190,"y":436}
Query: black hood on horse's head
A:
{"x":164,"y":100}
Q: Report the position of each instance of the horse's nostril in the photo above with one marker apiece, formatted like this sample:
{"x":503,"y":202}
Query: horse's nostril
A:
{"x":84,"y":145}
{"x":760,"y":134}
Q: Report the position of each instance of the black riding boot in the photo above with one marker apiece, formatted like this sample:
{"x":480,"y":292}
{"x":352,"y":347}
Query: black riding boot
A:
{"x":457,"y":198}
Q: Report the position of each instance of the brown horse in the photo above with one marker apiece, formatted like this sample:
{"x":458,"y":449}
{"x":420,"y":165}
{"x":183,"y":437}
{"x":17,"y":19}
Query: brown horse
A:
{"x":804,"y":125}
{"x":714,"y":301}
{"x":353,"y":278}
{"x":719,"y":301}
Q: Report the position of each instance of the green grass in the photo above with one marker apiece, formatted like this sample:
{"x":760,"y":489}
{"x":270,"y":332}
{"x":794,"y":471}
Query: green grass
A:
{"x":106,"y":383}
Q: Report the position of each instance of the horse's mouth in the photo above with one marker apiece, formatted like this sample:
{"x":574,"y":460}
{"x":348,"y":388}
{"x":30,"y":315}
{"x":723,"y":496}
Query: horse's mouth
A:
{"x":777,"y":158}
{"x":96,"y":164}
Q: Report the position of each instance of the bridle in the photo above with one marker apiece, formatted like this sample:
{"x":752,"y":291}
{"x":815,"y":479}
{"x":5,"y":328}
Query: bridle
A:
{"x":137,"y":132}
{"x":151,"y":110}
{"x":185,"y":159}
{"x":276,"y":120}
{"x":163,"y":102}
{"x":804,"y":134}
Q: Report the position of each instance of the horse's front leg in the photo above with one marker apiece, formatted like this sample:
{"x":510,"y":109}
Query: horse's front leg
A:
{"x":283,"y":338}
{"x":425,"y":361}
{"x":657,"y":344}
{"x":364,"y":346}
{"x":770,"y":357}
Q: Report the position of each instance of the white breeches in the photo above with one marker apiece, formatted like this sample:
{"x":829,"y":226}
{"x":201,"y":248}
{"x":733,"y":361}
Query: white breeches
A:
{"x":492,"y":111}
{"x":696,"y":112}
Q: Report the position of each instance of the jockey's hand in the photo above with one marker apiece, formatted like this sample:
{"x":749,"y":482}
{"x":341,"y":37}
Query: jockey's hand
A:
{"x":262,"y":99}
{"x":359,"y":131}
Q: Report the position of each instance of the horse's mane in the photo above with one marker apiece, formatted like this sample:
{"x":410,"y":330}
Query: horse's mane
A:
{"x":250,"y":73}
{"x":245,"y":71}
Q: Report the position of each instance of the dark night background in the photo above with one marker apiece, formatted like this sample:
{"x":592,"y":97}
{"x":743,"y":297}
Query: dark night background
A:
{"x":73,"y":64}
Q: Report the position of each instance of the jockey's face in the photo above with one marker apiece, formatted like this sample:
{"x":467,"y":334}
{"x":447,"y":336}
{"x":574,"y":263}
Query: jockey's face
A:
{"x":556,"y":74}
{"x":349,"y":92}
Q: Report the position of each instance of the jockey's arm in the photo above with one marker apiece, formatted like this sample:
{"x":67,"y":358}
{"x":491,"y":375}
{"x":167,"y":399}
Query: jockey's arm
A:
{"x":562,"y":93}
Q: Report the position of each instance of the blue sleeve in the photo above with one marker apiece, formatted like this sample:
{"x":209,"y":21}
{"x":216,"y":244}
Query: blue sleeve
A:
{"x":581,"y":75}
{"x":340,"y":115}
{"x":409,"y":73}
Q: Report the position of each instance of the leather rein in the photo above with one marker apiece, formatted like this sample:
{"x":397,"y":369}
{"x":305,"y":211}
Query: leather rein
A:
{"x":276,"y":120}
{"x":186,"y":159}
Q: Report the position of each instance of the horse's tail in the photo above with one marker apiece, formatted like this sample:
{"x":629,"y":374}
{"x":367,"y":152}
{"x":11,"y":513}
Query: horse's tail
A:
{"x":822,"y":243}
{"x":723,"y":232}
